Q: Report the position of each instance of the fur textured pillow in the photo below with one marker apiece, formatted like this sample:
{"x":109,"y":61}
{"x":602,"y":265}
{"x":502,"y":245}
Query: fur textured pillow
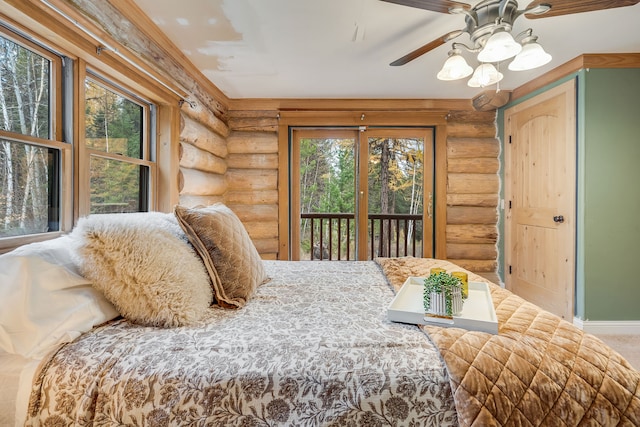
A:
{"x":145,"y":267}
{"x":234,"y":265}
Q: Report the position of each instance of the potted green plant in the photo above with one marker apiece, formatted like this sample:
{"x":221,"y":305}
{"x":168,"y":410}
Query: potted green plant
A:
{"x":442,"y":294}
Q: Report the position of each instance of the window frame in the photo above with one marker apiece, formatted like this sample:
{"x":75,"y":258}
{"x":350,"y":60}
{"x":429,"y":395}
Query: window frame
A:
{"x":69,"y":67}
{"x":85,"y":153}
{"x":54,"y":141}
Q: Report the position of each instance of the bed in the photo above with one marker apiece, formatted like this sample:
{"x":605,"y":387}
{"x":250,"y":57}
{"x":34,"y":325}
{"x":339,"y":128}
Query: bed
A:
{"x":299,"y":343}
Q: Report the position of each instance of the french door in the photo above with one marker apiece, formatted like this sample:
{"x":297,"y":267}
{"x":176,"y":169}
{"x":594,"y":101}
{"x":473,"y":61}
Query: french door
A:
{"x":361,"y":193}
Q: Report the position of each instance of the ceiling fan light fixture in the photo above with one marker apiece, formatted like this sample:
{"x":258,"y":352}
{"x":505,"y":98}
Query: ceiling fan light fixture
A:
{"x":532,"y":56}
{"x":485,"y":75}
{"x":500,"y":46}
{"x":455,"y":67}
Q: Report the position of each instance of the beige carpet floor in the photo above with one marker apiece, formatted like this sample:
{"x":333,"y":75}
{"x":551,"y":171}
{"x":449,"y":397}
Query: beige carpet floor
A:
{"x":627,"y":345}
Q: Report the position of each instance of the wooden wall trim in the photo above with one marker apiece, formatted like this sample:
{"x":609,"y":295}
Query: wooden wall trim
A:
{"x":612,"y":60}
{"x":44,"y":25}
{"x":283,"y":192}
{"x":364,"y":118}
{"x":329,"y":104}
{"x":168,"y":131}
{"x":609,"y":60}
{"x":440,"y":190}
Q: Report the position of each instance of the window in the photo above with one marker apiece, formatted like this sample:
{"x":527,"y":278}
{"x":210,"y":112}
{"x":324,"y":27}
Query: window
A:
{"x":102,"y":146}
{"x":30,"y":156}
{"x":117,"y":149}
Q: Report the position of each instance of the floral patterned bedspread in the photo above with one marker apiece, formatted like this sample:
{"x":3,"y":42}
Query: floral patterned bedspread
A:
{"x":312,"y":348}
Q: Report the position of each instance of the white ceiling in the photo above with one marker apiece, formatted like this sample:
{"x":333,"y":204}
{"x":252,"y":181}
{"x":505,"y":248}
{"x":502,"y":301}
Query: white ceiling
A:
{"x":306,"y":48}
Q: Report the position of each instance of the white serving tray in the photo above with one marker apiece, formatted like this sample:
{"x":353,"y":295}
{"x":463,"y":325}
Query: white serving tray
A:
{"x":477,"y":313}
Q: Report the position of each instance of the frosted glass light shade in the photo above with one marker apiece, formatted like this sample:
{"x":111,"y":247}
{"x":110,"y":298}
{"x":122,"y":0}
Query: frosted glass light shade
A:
{"x":455,"y":68}
{"x":485,"y":75}
{"x":532,"y":56}
{"x":499,"y":47}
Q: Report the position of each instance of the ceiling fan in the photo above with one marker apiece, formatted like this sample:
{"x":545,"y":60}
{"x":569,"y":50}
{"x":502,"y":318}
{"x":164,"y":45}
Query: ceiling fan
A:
{"x":483,"y":19}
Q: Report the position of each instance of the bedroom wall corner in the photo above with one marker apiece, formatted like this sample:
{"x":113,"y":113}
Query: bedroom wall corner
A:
{"x":202,"y":157}
{"x":473,"y":186}
{"x":252,"y":176}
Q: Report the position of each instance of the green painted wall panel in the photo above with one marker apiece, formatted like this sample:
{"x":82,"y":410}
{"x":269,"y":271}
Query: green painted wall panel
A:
{"x":611,"y":205}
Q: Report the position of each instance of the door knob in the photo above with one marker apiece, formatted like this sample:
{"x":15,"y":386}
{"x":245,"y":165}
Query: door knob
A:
{"x":558,"y":218}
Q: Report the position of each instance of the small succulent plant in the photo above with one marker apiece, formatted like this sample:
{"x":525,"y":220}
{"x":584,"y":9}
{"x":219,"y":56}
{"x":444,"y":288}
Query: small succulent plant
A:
{"x":441,"y":283}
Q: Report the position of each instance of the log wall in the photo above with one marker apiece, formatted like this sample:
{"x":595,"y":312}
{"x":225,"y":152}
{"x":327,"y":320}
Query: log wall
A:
{"x":203,"y":152}
{"x":239,"y":166}
{"x":473,"y":187}
{"x":252,"y":176}
{"x":235,"y":164}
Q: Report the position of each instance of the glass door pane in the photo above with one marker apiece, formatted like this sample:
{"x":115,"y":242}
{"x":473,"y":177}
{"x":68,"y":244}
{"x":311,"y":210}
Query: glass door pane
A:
{"x":397,"y":182}
{"x":360,"y":194}
{"x":324,"y":195}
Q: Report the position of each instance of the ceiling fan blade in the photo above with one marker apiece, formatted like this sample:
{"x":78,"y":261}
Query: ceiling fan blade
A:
{"x":441,"y":6}
{"x":567,"y":7}
{"x":426,"y":48}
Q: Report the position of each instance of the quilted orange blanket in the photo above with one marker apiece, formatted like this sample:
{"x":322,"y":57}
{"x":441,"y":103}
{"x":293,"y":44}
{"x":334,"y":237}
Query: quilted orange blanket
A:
{"x":538,"y":369}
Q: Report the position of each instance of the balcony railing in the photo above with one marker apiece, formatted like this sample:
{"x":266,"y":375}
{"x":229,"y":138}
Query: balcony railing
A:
{"x":331,"y":236}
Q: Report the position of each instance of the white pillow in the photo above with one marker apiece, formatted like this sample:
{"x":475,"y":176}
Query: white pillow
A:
{"x":55,"y":251}
{"x":43,"y":301}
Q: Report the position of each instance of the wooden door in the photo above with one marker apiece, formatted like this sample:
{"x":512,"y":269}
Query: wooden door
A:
{"x":540,"y":199}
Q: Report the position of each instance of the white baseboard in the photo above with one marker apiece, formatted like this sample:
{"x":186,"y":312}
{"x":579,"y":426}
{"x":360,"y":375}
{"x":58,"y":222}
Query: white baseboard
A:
{"x":605,"y":327}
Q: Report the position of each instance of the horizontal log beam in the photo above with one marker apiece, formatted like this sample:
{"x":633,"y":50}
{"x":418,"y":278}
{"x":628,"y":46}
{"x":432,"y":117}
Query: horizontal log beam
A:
{"x":476,"y":233}
{"x":252,"y":161}
{"x":238,"y":114}
{"x":266,"y":246}
{"x":472,"y":147}
{"x":468,"y":116}
{"x":258,"y":197}
{"x":202,"y":114}
{"x":253,"y":124}
{"x":262,"y":230}
{"x":194,"y":158}
{"x":471,"y":215}
{"x":253,"y":213}
{"x":200,"y":136}
{"x":473,"y":183}
{"x":476,"y":251}
{"x":489,"y":165}
{"x":248,"y":179}
{"x":485,"y":200}
{"x":471,"y":130}
{"x":198,"y":183}
{"x":252,"y":142}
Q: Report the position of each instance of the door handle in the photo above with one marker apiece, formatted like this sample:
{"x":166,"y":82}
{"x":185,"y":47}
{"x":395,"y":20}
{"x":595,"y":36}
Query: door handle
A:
{"x":558,"y":218}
